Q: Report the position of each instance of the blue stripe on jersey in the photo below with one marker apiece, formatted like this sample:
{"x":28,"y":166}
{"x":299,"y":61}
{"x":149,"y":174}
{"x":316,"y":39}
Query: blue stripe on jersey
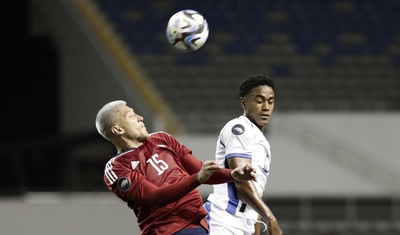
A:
{"x":232,"y":191}
{"x":243,"y":155}
{"x":233,"y":198}
{"x":207,"y":207}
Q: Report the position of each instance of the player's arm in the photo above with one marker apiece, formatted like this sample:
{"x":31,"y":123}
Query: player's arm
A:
{"x":243,"y":172}
{"x":132,"y":186}
{"x":257,"y":229}
{"x":193,"y":165}
{"x":247,"y":192}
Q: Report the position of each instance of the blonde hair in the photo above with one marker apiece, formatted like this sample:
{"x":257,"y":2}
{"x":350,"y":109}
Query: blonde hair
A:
{"x":105,"y":116}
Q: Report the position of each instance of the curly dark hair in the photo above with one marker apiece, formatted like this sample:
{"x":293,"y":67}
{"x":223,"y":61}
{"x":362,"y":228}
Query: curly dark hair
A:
{"x":253,"y":81}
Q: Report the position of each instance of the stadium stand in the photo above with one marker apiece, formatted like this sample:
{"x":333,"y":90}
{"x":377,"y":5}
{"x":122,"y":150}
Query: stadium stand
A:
{"x":324,"y":55}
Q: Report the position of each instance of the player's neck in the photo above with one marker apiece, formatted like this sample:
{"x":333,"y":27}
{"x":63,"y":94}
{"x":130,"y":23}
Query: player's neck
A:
{"x":125,"y":144}
{"x":262,"y":128}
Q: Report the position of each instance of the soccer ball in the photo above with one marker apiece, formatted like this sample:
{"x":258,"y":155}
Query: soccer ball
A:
{"x":187,"y":30}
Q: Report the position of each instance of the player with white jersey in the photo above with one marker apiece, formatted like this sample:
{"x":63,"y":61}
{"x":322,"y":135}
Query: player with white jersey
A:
{"x":235,"y":207}
{"x":240,"y":138}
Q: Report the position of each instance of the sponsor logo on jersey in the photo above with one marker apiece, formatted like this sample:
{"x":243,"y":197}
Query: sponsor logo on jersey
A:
{"x":238,"y":129}
{"x":123,"y":184}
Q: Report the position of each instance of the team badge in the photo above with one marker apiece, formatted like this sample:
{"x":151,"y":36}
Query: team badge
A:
{"x":238,"y":129}
{"x":123,"y":184}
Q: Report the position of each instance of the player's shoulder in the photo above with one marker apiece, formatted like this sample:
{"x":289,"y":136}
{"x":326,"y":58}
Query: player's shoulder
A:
{"x":242,"y":120}
{"x":231,"y":123}
{"x":121,"y":157}
{"x":159,"y":137}
{"x":237,"y":126}
{"x":159,"y":134}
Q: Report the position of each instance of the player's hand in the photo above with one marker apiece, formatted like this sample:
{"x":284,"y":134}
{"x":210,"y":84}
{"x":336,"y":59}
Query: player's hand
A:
{"x":273,"y":227}
{"x":208,"y":168}
{"x":244,"y":173}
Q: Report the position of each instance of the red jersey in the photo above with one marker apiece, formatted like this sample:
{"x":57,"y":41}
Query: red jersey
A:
{"x":158,"y":181}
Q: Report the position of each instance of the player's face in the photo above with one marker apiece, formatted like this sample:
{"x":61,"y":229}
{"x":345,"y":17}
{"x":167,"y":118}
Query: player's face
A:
{"x":131,"y":124}
{"x":258,"y":105}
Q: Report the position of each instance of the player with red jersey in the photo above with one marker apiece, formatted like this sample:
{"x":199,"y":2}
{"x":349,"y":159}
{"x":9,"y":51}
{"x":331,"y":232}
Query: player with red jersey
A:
{"x":156,"y":175}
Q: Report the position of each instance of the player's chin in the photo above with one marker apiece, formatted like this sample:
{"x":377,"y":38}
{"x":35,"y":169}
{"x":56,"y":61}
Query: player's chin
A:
{"x":144,"y":136}
{"x":263,"y":121}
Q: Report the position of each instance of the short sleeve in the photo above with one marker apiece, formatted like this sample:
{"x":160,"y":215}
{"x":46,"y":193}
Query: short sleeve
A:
{"x":237,"y":140}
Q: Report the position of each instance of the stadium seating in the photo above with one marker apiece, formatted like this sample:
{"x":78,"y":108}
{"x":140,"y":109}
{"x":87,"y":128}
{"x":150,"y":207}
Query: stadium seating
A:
{"x":324,"y":55}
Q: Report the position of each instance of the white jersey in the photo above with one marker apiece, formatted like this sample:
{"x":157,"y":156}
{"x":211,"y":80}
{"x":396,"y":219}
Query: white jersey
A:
{"x":241,"y":138}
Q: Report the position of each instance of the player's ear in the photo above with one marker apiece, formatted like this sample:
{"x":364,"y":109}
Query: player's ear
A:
{"x":242,"y":102}
{"x":116,"y":130}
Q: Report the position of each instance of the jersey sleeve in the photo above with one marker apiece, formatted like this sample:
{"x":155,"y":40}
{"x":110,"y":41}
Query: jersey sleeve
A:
{"x":132,"y":186}
{"x":193,"y":165}
{"x":237,"y":140}
{"x":221,"y":176}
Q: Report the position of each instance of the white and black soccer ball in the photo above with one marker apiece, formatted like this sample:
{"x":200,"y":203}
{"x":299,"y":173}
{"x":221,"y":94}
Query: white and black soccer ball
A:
{"x":187,"y":30}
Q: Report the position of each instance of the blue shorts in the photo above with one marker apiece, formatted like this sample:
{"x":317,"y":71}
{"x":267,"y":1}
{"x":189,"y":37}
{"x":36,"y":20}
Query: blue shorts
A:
{"x":192,"y":231}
